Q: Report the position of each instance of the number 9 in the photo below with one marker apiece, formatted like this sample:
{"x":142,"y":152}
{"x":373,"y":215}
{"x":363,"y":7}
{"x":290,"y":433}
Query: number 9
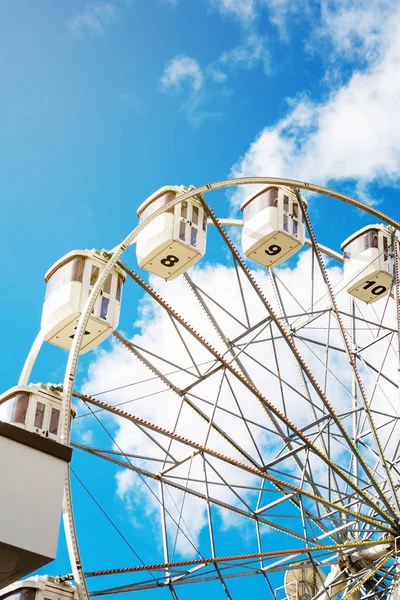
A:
{"x":273,"y":250}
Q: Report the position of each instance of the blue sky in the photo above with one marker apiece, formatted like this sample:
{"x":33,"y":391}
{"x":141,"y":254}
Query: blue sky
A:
{"x":104,"y":102}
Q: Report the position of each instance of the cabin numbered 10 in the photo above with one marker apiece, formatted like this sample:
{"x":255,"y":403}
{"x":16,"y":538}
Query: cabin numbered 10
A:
{"x":175,"y":240}
{"x":69,"y":283}
{"x":33,"y":464}
{"x":273,"y":228}
{"x":368,"y":263}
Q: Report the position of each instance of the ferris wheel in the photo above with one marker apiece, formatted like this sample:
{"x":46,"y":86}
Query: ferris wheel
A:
{"x":251,"y":415}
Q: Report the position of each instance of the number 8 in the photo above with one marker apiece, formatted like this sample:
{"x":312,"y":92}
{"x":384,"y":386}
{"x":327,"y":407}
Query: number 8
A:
{"x":169,"y":260}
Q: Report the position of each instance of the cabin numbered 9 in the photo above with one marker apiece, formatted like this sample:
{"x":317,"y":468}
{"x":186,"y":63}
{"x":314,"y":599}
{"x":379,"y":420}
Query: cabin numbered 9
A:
{"x":33,"y":463}
{"x":273,"y":228}
{"x":368,"y":263}
{"x":68,"y":284}
{"x":175,"y":240}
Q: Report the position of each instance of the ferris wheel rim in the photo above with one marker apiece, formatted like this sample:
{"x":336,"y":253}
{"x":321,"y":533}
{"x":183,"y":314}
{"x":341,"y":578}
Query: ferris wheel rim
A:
{"x":117,"y":252}
{"x":113,"y":259}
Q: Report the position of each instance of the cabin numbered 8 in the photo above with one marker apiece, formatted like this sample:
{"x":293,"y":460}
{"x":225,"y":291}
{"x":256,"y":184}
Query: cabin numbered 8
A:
{"x":175,"y":240}
{"x":273,"y":228}
{"x":33,"y":463}
{"x":69,"y":283}
{"x":368,"y":263}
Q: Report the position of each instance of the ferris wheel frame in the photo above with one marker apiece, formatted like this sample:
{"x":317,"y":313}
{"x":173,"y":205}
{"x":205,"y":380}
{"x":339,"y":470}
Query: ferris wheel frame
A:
{"x":113,"y":257}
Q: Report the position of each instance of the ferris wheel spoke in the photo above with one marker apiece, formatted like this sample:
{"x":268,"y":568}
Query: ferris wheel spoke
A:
{"x":281,"y":435}
{"x":228,"y":485}
{"x":353,"y":363}
{"x":277,"y":413}
{"x":211,"y":530}
{"x":377,"y":383}
{"x":244,"y":419}
{"x":185,"y":346}
{"x":306,"y":370}
{"x":280,"y":431}
{"x":173,"y":483}
{"x":186,"y":399}
{"x":279,"y":483}
{"x":370,"y":573}
{"x":365,"y":362}
{"x":381,"y":326}
{"x":199,"y":292}
{"x":164,"y":511}
{"x":237,"y":266}
{"x":300,"y":373}
{"x":228,"y":566}
{"x":365,"y":321}
{"x":382,"y":583}
{"x":376,"y":341}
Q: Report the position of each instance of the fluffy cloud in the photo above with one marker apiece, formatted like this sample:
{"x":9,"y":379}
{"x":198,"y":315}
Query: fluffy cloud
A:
{"x":182,"y":69}
{"x":185,"y":69}
{"x":354,"y":28}
{"x":92,"y":19}
{"x":247,"y":55}
{"x":354,"y":135}
{"x":245,"y":10}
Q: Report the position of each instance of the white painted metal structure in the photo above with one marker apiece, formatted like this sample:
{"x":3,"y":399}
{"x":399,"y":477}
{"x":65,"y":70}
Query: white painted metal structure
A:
{"x":368,"y":263}
{"x":303,"y":582}
{"x":175,"y":240}
{"x":33,"y":465}
{"x":34,"y":408}
{"x":69,"y":283}
{"x":40,"y":587}
{"x":317,"y":464}
{"x":273,"y":229}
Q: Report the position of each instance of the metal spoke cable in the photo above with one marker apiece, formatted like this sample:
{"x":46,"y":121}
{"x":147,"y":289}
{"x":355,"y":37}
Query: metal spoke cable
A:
{"x":193,"y":492}
{"x":281,"y":484}
{"x":144,"y":481}
{"x":117,"y":529}
{"x":186,"y":399}
{"x":353,"y":363}
{"x":307,"y":372}
{"x":121,"y":403}
{"x":329,"y":548}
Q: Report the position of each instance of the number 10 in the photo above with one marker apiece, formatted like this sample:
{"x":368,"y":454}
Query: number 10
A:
{"x":377,"y":290}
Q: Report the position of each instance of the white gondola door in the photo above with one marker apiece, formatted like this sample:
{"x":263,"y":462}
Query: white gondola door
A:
{"x":188,"y":223}
{"x":290,"y":216}
{"x":46,"y":419}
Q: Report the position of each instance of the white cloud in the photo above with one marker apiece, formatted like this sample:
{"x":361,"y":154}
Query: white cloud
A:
{"x":92,"y":19}
{"x":245,"y":10}
{"x":354,"y":27}
{"x":354,"y":135}
{"x":341,"y":31}
{"x":182,"y":69}
{"x":172,"y":3}
{"x":247,"y":55}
